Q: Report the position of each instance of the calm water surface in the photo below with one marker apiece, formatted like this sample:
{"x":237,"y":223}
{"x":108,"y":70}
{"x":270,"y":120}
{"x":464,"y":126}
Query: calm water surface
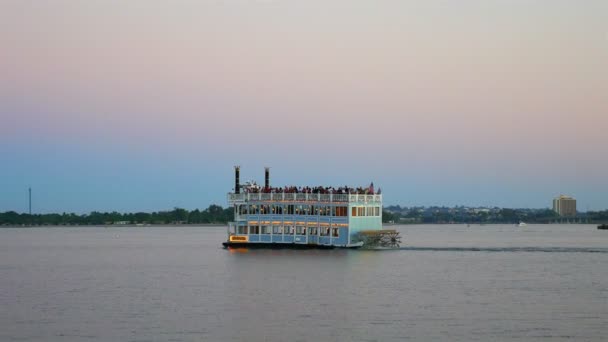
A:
{"x":484,"y":283}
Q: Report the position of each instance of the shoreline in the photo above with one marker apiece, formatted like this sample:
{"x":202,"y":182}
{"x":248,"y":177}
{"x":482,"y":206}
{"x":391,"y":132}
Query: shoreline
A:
{"x":118,"y":225}
{"x":202,"y":225}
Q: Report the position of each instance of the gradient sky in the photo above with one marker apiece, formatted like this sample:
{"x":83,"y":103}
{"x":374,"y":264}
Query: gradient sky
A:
{"x":147,"y":105}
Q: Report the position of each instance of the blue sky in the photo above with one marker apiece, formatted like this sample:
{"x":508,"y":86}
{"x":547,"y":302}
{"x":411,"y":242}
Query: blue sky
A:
{"x":148,"y":105}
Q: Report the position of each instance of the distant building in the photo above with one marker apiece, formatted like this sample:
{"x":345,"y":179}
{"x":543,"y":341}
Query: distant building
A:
{"x":564,"y":205}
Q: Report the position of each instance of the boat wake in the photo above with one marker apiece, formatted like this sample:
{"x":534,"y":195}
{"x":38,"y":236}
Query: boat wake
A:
{"x":501,"y":249}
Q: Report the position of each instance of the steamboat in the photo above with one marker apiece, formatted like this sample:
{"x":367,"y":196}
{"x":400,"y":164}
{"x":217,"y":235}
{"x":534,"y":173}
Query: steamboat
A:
{"x":306,"y":217}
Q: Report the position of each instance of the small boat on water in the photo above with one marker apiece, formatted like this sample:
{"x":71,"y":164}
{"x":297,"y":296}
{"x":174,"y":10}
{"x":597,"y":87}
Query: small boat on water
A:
{"x":603,"y":226}
{"x":522,"y":224}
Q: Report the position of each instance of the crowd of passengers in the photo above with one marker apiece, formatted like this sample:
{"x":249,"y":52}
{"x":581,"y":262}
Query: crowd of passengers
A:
{"x":254,"y":188}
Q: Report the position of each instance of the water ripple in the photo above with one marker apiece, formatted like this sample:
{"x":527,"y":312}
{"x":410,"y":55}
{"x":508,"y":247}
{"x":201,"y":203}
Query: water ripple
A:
{"x":505,"y":249}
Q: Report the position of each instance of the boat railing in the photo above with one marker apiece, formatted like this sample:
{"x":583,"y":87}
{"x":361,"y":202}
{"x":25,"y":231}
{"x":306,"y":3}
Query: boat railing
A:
{"x":301,"y":197}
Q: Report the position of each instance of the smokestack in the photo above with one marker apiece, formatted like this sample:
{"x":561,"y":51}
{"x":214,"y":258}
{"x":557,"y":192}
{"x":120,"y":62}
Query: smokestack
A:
{"x":237,"y":175}
{"x":267,"y":177}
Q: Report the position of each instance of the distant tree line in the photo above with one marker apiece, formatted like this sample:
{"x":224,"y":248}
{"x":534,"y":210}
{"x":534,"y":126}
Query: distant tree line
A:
{"x":598,"y":216}
{"x":484,"y":215}
{"x":213,"y":214}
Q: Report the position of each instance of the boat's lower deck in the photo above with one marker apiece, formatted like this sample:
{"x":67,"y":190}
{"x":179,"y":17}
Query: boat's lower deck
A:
{"x":279,"y":245}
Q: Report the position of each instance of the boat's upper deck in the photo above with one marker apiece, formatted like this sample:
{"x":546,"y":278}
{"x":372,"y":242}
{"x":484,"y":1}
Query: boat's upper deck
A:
{"x":302,"y":197}
{"x":251,"y":192}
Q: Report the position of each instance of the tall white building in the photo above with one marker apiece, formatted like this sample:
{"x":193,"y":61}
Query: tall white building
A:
{"x":564,"y":205}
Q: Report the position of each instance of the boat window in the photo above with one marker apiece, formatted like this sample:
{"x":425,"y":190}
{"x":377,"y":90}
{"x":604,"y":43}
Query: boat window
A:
{"x":242,"y":209}
{"x":288,"y":230}
{"x":253,"y":209}
{"x":340,"y":211}
{"x":254,"y":229}
{"x":377,"y":211}
{"x":265,"y":229}
{"x":264,"y":209}
{"x":277,"y":230}
{"x":354,"y":211}
{"x":313,"y":231}
{"x":324,"y":231}
{"x":299,"y":210}
{"x":360,"y":211}
{"x":300,"y":230}
{"x":369,"y":211}
{"x":241,"y":230}
{"x":290,"y":209}
{"x":335,"y":232}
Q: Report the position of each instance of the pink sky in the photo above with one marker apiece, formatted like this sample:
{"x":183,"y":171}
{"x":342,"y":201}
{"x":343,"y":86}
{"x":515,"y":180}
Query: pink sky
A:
{"x":486,"y":88}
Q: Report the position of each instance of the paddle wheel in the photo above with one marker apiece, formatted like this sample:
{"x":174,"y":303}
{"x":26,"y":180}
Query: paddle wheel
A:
{"x":385,"y":238}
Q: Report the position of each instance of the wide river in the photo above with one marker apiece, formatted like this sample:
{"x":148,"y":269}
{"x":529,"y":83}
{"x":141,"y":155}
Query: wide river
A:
{"x":446,"y":282}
